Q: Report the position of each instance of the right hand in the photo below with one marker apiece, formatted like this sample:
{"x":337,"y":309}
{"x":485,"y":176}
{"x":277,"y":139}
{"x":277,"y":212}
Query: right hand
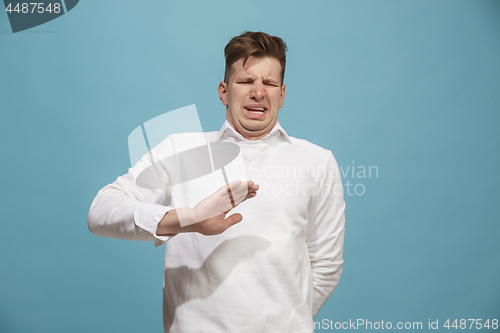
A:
{"x":209,"y":216}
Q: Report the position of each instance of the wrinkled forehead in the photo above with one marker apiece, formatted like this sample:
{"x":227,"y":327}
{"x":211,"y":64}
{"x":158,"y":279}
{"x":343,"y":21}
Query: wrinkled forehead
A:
{"x":256,"y":67}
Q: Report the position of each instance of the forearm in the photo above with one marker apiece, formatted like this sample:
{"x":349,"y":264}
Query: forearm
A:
{"x":112,"y":215}
{"x":325,"y":236}
{"x":170,"y":223}
{"x":125,"y":211}
{"x":326,"y":274}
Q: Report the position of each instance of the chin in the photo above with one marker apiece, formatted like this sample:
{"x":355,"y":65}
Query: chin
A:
{"x":254,"y":125}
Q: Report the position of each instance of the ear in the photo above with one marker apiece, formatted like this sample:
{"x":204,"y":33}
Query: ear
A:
{"x":223,"y":92}
{"x":282,"y":95}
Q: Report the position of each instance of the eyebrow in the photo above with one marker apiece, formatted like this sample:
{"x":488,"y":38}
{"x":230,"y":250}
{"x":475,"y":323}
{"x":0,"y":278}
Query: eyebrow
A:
{"x":250,"y":77}
{"x":271,"y":80}
{"x":244,"y":78}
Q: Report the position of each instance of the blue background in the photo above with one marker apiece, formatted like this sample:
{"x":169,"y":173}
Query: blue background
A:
{"x":411,"y":87}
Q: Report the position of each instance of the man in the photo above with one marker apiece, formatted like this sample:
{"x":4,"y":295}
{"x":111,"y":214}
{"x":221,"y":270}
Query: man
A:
{"x":273,"y":271}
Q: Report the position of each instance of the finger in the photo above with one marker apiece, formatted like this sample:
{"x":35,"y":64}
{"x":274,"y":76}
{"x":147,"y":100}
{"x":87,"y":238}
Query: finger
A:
{"x":248,"y":196}
{"x":251,"y":186}
{"x":228,"y":206}
{"x":247,"y":184}
{"x":233,"y":219}
{"x":223,"y":190}
{"x":226,"y":192}
{"x":254,"y":187}
{"x":235,"y":193}
{"x":246,"y":187}
{"x":238,"y":200}
{"x":238,"y":193}
{"x":234,"y":185}
{"x":238,"y":196}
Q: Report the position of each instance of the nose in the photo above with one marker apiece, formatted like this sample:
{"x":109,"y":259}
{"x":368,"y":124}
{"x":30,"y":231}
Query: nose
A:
{"x":258,"y":90}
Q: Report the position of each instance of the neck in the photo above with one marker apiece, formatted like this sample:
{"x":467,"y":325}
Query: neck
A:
{"x":251,"y":135}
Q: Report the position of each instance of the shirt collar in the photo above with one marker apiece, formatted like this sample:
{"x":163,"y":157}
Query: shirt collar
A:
{"x":229,"y":131}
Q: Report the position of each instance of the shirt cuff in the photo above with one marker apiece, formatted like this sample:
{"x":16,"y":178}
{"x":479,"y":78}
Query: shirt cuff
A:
{"x":148,"y":215}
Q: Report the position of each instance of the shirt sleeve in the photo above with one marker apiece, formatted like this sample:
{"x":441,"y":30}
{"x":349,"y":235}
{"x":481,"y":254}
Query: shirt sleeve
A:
{"x":325,"y":234}
{"x":125,"y":210}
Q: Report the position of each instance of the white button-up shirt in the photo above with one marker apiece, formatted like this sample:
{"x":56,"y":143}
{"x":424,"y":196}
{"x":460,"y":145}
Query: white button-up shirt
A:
{"x":271,"y":272}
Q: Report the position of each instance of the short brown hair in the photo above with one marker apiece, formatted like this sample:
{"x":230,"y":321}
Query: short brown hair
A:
{"x":256,"y":44}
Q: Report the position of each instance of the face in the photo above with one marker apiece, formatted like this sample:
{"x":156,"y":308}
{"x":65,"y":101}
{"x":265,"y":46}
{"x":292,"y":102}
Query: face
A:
{"x":253,"y":96}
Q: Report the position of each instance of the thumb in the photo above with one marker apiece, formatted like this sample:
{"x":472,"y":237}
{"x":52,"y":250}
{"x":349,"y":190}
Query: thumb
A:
{"x":233,"y":219}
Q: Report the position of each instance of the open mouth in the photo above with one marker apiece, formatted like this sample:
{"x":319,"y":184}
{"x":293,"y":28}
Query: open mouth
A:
{"x":256,"y":111}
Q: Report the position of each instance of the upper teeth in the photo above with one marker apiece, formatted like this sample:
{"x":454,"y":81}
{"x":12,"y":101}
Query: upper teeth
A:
{"x":257,"y":109}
